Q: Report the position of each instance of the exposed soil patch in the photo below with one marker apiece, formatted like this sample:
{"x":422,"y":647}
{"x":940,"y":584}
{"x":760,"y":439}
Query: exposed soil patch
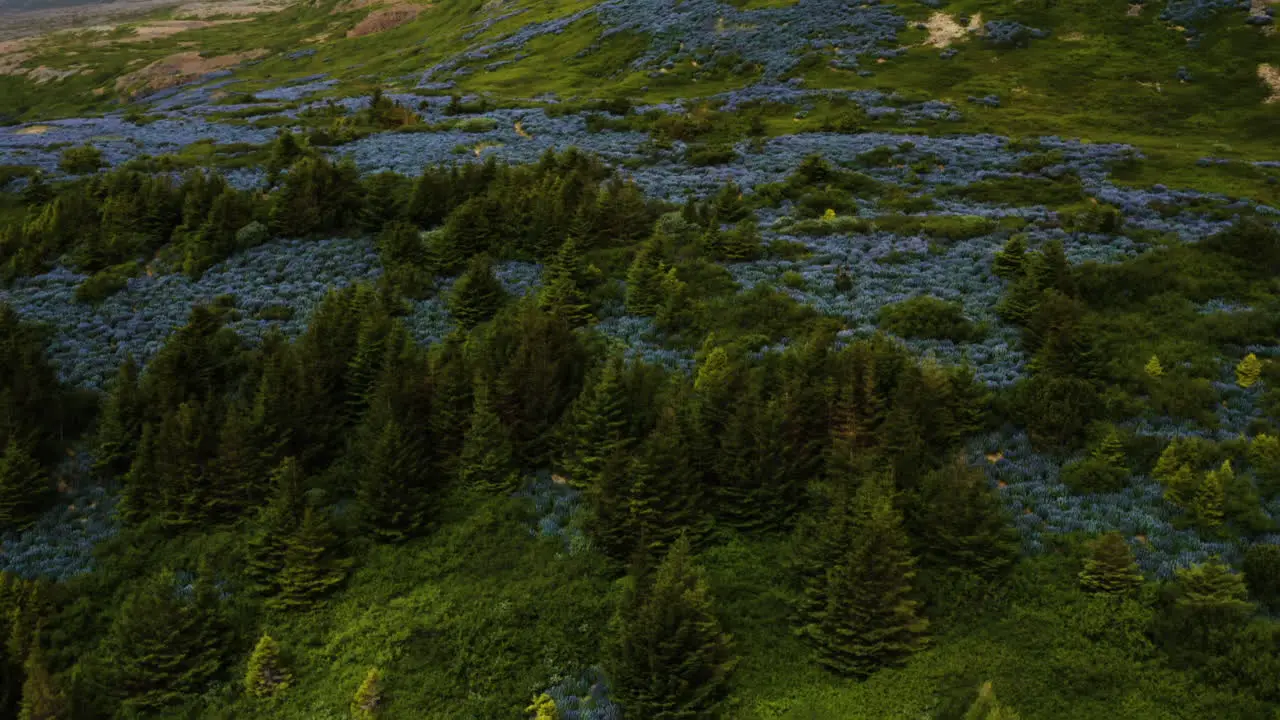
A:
{"x":1134,"y":11}
{"x":383,"y":20}
{"x":177,"y":70}
{"x":33,"y":130}
{"x":1270,"y":74}
{"x":944,"y":30}
{"x":166,"y":28}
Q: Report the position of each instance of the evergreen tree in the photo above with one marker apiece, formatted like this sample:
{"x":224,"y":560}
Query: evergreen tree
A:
{"x":266,"y":674}
{"x":167,"y":641}
{"x":41,"y":697}
{"x":24,"y":487}
{"x":1264,"y":457}
{"x":563,"y":292}
{"x":141,"y":490}
{"x":1111,"y":570}
{"x":644,"y":281}
{"x":368,"y":698}
{"x":601,"y":426}
{"x":1248,"y":371}
{"x":1261,"y":567}
{"x":987,"y":707}
{"x":237,"y":473}
{"x":1111,"y":450}
{"x":865,"y":619}
{"x":665,"y":499}
{"x":393,"y":484}
{"x":487,"y":462}
{"x":543,"y":708}
{"x":961,"y":524}
{"x":276,"y":523}
{"x":120,"y":423}
{"x":1211,"y":496}
{"x":1209,"y":609}
{"x":668,"y":658}
{"x":1009,"y":261}
{"x":477,"y":295}
{"x":1153,"y":368}
{"x":312,"y":567}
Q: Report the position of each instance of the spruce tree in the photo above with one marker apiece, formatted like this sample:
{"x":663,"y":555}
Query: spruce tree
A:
{"x":312,"y":566}
{"x":1264,"y":457}
{"x":120,"y":423}
{"x":1210,"y":607}
{"x":1009,"y":261}
{"x":1111,"y":450}
{"x":393,"y":484}
{"x":668,"y":657}
{"x":601,"y":425}
{"x":960,"y":522}
{"x":1111,"y":570}
{"x":266,"y":674}
{"x":275,"y":524}
{"x":41,"y":697}
{"x":238,"y":472}
{"x":24,"y":487}
{"x":1211,"y":496}
{"x":866,"y":620}
{"x":1261,"y":568}
{"x":563,"y":292}
{"x":1153,"y":368}
{"x":167,"y":641}
{"x":368,"y":698}
{"x":476,"y":295}
{"x":1248,"y":371}
{"x":487,"y":462}
{"x":644,"y":281}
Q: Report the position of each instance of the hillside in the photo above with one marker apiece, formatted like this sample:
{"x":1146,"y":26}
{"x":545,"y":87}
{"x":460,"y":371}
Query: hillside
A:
{"x":640,"y":359}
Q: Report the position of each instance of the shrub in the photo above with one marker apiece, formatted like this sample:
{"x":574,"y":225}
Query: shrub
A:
{"x":1094,"y":475}
{"x":104,"y":284}
{"x":80,"y":160}
{"x":927,"y":317}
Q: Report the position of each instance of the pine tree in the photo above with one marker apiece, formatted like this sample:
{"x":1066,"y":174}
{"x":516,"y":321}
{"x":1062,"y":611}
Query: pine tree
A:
{"x":1182,"y":487}
{"x":1153,"y":368}
{"x":665,"y":497}
{"x":1248,"y":371}
{"x":644,"y":281}
{"x":275,"y":524}
{"x":312,"y":567}
{"x":1111,"y":450}
{"x":668,"y":657}
{"x":237,"y":473}
{"x":477,"y":295}
{"x":543,"y":707}
{"x":1009,"y":261}
{"x":961,"y":524}
{"x":601,"y":426}
{"x":167,"y":641}
{"x":24,"y":487}
{"x":266,"y":674}
{"x":1111,"y":570}
{"x":393,"y":485}
{"x":41,"y":697}
{"x":864,"y":619}
{"x":487,"y":462}
{"x":1264,"y":457}
{"x":368,"y":698}
{"x":563,"y":293}
{"x":120,"y":424}
{"x":1210,"y":607}
{"x":987,"y":707}
{"x":1211,"y":497}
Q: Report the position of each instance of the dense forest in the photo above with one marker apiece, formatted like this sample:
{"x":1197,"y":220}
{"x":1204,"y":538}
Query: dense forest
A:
{"x":527,"y":519}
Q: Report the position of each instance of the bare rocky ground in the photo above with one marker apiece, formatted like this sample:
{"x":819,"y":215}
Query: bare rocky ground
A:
{"x":17,"y":22}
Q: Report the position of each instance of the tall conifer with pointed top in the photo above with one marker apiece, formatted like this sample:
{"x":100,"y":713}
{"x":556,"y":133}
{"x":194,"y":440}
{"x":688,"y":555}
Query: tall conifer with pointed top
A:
{"x":24,"y":487}
{"x":1111,"y":570}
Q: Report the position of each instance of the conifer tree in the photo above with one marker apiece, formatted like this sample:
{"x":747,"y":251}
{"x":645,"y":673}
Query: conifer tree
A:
{"x":239,"y":471}
{"x":1182,"y":487}
{"x":1111,"y":570}
{"x":167,"y":642}
{"x":961,"y":524}
{"x":863,"y":619}
{"x":393,"y":480}
{"x":312,"y":567}
{"x":24,"y":487}
{"x":368,"y":698}
{"x":1248,"y":371}
{"x":563,"y":293}
{"x":275,"y":524}
{"x":266,"y":674}
{"x":120,"y":424}
{"x":487,"y":462}
{"x":477,"y":295}
{"x":665,"y":498}
{"x":543,"y":707}
{"x":451,"y":403}
{"x":601,"y":425}
{"x":1153,"y":368}
{"x":141,"y":490}
{"x":1111,"y":450}
{"x":1261,"y":568}
{"x":41,"y":697}
{"x":987,"y":707}
{"x":1210,"y":607}
{"x":1211,"y":496}
{"x":668,"y":657}
{"x":644,"y":281}
{"x":1009,"y":261}
{"x":1264,"y":457}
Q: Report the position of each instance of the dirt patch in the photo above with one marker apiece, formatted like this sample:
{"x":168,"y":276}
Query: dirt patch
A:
{"x":944,"y":30}
{"x":166,"y":28}
{"x":229,"y":8}
{"x":43,"y":74}
{"x":1270,"y":74}
{"x":33,"y":130}
{"x":11,"y":64}
{"x":383,"y":20}
{"x":1134,"y":11}
{"x":177,"y":70}
{"x":1073,"y":37}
